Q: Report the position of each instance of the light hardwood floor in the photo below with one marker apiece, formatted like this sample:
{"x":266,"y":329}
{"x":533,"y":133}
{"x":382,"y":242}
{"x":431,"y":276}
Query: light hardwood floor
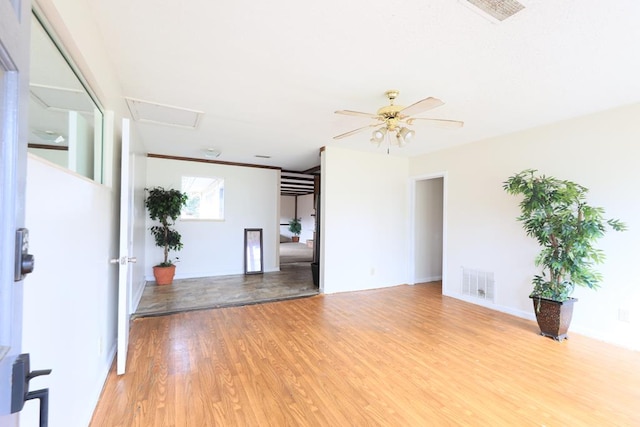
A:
{"x":401,"y":356}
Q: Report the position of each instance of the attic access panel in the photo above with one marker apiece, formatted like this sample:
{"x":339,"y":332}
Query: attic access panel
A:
{"x":497,"y":10}
{"x":151,"y":112}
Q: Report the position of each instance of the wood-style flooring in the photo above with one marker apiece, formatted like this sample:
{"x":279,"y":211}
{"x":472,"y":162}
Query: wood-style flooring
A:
{"x":401,"y":356}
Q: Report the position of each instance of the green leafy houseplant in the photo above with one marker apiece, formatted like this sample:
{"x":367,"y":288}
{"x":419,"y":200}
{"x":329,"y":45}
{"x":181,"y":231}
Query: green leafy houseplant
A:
{"x":295,"y":227}
{"x":556,"y":214}
{"x":165,"y":205}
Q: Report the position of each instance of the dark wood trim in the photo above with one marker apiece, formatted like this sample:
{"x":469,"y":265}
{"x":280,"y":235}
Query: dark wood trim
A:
{"x":217,"y":162}
{"x":300,"y":183}
{"x":309,"y":172}
{"x":313,"y":170}
{"x":295,"y":193}
{"x":48,"y":147}
{"x":296,"y":176}
{"x":294,"y":183}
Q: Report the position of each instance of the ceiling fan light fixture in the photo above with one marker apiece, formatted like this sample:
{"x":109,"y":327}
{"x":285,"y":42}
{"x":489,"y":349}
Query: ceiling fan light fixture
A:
{"x":378,"y":135}
{"x":404,"y":135}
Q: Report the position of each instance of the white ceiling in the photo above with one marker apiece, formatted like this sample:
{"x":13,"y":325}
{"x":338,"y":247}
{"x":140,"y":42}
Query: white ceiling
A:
{"x":268,"y":76}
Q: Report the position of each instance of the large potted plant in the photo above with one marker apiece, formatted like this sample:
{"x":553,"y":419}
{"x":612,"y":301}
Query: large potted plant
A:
{"x":164,"y":206}
{"x":295,"y":227}
{"x":556,"y":214}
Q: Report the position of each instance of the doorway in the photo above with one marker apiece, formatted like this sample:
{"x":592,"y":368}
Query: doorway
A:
{"x":428,"y":260}
{"x":293,"y":280}
{"x":299,"y":194}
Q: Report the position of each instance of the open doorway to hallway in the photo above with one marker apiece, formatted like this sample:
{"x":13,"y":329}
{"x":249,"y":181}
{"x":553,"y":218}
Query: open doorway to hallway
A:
{"x":428,"y":230}
{"x":299,"y":200}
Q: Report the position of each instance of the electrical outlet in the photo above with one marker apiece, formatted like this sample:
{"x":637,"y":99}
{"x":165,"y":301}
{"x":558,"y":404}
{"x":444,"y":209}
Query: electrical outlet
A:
{"x":373,"y":271}
{"x":623,"y":315}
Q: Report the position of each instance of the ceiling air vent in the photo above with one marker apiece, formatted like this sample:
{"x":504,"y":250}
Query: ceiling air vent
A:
{"x":497,"y":10}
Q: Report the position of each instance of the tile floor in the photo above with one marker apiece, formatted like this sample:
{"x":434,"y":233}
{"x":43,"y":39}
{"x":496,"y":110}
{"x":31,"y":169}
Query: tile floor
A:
{"x":292,"y":281}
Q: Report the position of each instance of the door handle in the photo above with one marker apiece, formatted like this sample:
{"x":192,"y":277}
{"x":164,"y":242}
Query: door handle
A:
{"x":20,"y":393}
{"x":123,"y":260}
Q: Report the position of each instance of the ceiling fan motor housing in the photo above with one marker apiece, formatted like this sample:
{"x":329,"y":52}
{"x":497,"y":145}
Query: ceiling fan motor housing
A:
{"x":390,"y":115}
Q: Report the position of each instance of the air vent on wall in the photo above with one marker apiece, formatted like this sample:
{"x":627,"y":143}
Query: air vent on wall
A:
{"x":478,"y":284}
{"x":145,"y":111}
{"x":495,"y":10}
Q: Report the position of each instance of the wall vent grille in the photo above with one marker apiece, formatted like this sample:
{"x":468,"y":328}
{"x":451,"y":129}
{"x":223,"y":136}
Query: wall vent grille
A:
{"x":478,"y":284}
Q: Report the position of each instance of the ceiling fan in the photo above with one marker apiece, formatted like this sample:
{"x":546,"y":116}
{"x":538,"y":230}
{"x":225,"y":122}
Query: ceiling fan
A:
{"x":394,"y":119}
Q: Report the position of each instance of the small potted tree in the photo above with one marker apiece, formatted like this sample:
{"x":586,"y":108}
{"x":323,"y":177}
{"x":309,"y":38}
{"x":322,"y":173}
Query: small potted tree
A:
{"x":164,"y":206}
{"x":556,"y":214}
{"x":295,"y":227}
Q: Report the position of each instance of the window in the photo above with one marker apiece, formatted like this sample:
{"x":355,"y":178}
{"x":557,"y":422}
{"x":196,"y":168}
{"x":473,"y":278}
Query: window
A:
{"x":206,"y":198}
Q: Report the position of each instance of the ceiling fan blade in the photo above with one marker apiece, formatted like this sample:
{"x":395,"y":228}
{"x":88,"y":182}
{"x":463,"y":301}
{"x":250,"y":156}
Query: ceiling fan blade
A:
{"x":421,"y":106}
{"x":357,"y":113}
{"x":447,"y":124}
{"x":351,"y":132}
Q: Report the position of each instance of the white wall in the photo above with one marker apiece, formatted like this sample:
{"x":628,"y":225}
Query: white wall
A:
{"x":365,"y":220}
{"x":599,"y":151}
{"x":81,"y":145}
{"x":59,"y":157}
{"x":139,"y":177}
{"x":69,"y":298}
{"x":305,"y":212}
{"x":287,"y":211}
{"x":214,"y":248}
{"x":428,"y":230}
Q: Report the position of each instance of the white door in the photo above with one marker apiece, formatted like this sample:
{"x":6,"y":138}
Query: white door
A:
{"x":15,"y":18}
{"x":126,"y":245}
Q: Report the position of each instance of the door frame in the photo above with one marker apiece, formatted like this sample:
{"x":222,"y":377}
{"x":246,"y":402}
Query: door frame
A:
{"x":125,"y":256}
{"x":412,"y":226}
{"x":15,"y":26}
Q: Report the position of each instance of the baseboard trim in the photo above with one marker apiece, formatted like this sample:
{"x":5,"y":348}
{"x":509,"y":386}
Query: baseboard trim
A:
{"x":428,"y":279}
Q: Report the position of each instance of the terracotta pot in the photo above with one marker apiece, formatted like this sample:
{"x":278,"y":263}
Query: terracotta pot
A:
{"x":553,"y":317}
{"x":164,"y":275}
{"x":295,"y":239}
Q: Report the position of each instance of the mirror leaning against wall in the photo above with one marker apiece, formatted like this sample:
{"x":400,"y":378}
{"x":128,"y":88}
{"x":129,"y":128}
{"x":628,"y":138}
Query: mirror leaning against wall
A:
{"x":65,"y":120}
